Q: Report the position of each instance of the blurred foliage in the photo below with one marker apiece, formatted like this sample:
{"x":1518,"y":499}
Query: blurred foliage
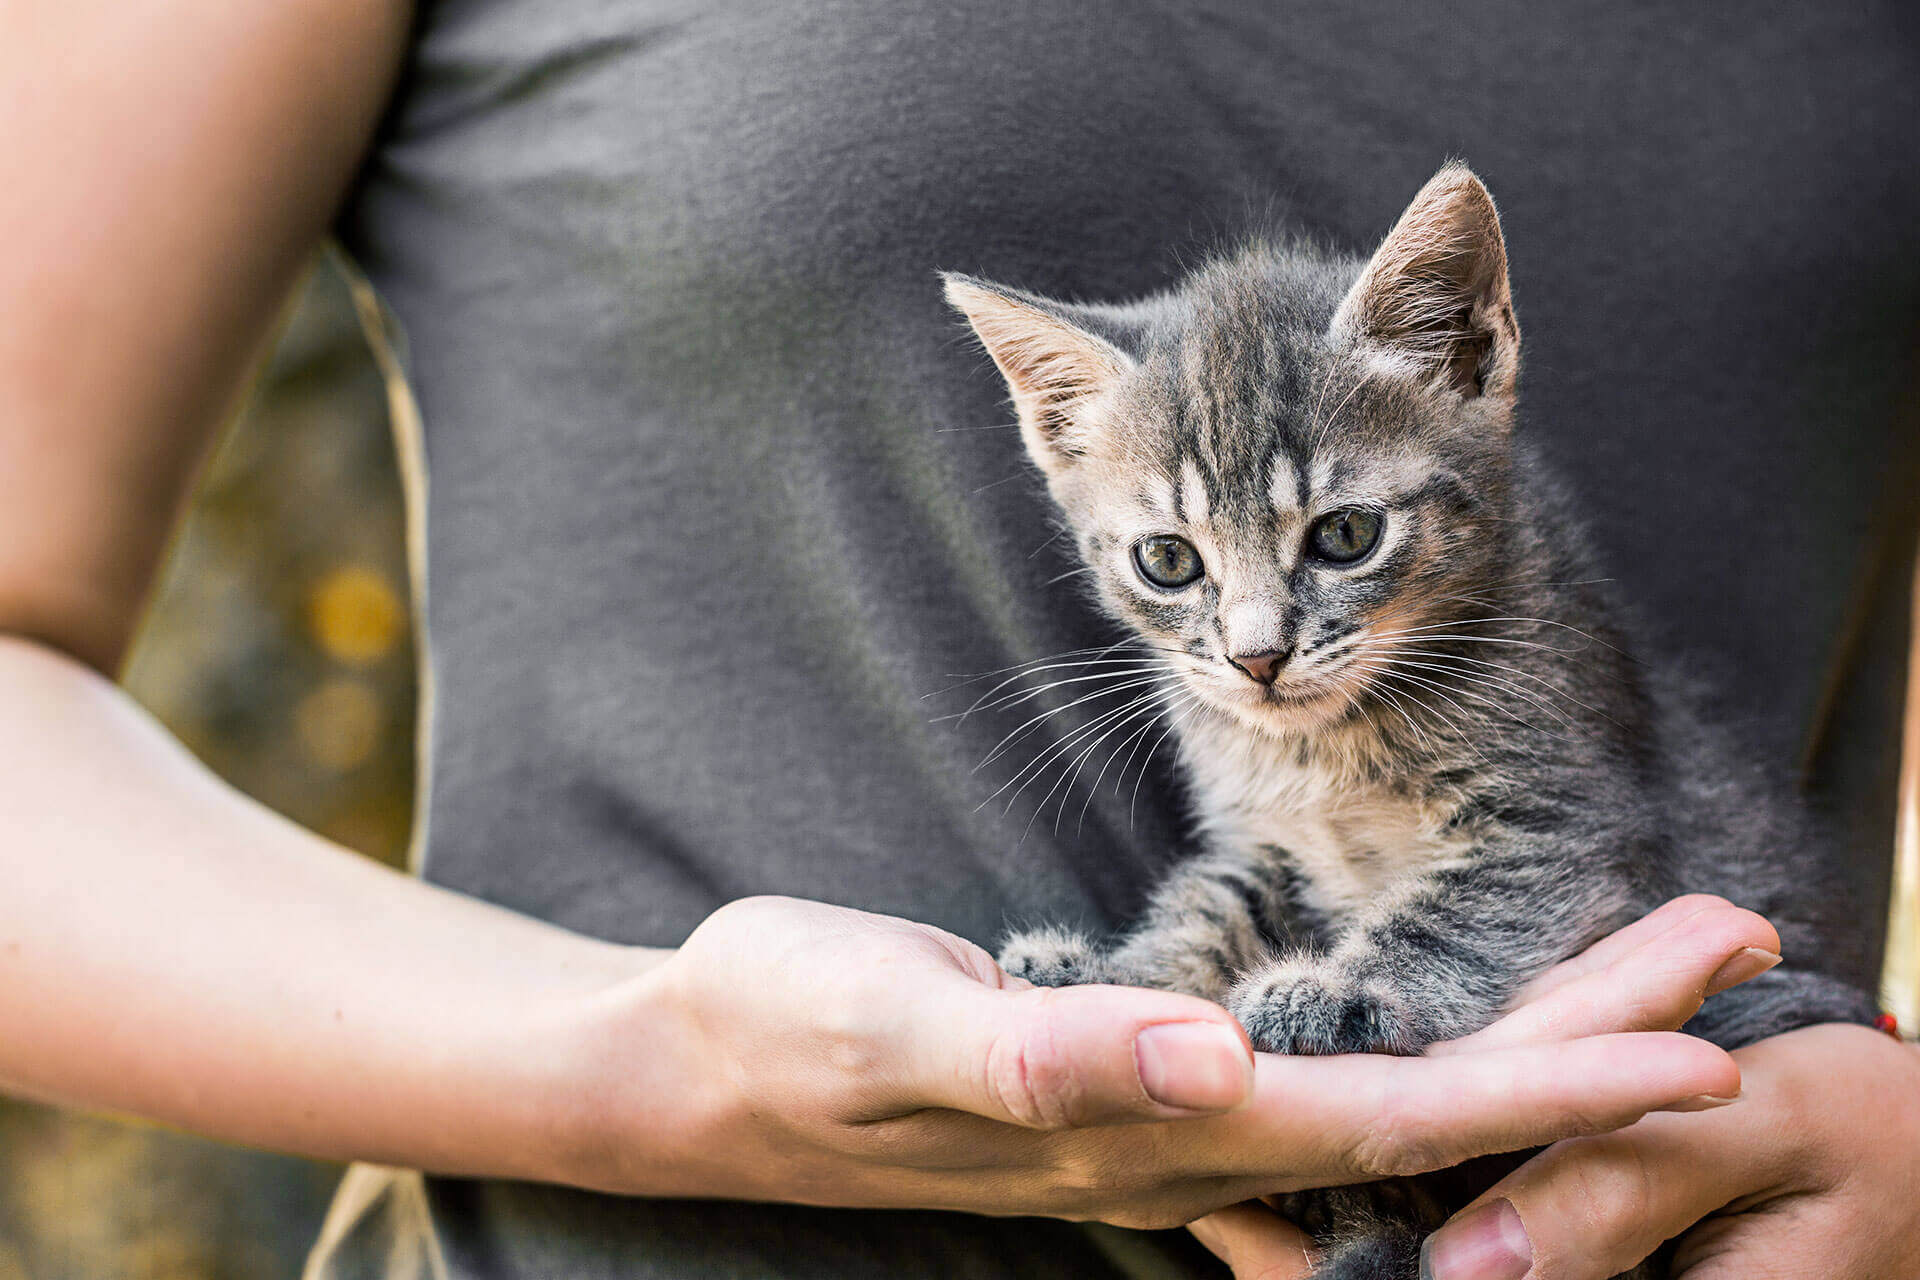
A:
{"x":278,"y":648}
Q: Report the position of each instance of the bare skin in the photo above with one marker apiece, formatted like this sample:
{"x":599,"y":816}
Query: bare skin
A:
{"x":170,"y":949}
{"x":1813,"y":1174}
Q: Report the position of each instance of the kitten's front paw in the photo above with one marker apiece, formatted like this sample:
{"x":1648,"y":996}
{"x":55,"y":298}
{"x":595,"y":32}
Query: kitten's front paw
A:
{"x":1054,"y":957}
{"x":1316,"y":1007}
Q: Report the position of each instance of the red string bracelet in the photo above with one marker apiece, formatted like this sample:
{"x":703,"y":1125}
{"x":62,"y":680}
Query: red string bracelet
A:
{"x":1888,"y":1023}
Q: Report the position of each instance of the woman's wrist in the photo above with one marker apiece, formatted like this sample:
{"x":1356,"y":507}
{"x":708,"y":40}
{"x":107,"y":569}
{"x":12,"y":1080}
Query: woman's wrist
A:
{"x":628,"y":1093}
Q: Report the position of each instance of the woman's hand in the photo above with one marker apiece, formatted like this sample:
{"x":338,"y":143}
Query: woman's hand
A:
{"x":185,"y":955}
{"x":1815,"y":1175}
{"x":1652,"y":975}
{"x":795,"y":1051}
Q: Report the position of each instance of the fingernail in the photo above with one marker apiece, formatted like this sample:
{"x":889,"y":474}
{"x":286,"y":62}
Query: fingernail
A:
{"x":1749,"y":962}
{"x":1488,"y":1243}
{"x":1198,"y":1066}
{"x":1703,"y":1102}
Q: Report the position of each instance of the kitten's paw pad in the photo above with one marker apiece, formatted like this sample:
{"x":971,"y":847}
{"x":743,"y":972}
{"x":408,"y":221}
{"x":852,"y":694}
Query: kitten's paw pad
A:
{"x":1316,"y":1009}
{"x":1053,"y":958}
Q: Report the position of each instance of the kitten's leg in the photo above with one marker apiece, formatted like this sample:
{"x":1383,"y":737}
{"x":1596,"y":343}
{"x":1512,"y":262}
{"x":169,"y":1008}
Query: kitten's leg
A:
{"x":1055,"y":957}
{"x":1214,"y":917}
{"x":1439,"y":959}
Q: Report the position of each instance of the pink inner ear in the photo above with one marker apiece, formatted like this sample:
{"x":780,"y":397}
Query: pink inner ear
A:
{"x":1436,"y":290}
{"x":1051,"y":367}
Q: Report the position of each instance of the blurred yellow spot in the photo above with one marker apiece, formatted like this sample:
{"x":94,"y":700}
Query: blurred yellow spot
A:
{"x":355,"y":615}
{"x":168,"y":1253}
{"x":338,"y":724}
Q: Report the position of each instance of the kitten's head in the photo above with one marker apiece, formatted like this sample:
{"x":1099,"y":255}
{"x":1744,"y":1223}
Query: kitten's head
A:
{"x":1281,"y":466}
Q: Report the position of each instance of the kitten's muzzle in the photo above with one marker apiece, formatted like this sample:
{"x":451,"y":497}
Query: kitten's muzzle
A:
{"x":1261,"y":668}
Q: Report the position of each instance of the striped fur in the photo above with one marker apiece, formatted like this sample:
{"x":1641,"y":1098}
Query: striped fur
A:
{"x":1459,"y":776}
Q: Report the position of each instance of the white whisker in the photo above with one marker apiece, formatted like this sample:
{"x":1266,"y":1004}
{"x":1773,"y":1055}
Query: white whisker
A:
{"x":1001,"y":747}
{"x":974,"y":677}
{"x":1488,"y":682}
{"x":1072,"y":774}
{"x":1516,"y":672}
{"x":1545,"y":622}
{"x":1393,"y":669}
{"x":1500,"y":707}
{"x":1036,"y":666}
{"x":1173,"y":722}
{"x":1062,"y":746}
{"x":1395,"y":704}
{"x":1028,"y":695}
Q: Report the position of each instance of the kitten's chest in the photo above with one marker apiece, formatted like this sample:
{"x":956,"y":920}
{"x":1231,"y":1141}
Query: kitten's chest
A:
{"x":1352,"y":840}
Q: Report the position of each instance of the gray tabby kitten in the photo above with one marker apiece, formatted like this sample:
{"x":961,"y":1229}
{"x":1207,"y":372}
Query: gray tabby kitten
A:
{"x":1422,"y":767}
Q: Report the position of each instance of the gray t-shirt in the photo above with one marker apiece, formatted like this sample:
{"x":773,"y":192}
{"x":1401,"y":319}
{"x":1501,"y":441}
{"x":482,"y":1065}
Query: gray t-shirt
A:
{"x":720,"y":493}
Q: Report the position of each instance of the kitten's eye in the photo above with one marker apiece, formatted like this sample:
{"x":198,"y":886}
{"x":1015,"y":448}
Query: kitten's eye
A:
{"x":1343,"y":537}
{"x":1167,"y":561}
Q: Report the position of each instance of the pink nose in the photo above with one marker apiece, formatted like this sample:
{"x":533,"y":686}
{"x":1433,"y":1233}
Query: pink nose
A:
{"x":1262,"y":667}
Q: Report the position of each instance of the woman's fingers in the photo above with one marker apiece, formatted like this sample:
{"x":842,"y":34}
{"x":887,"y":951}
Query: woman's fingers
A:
{"x":1624,"y":941}
{"x":1255,"y":1242}
{"x":1314,"y":1121}
{"x":1655,"y":985}
{"x":1595,"y":1207}
{"x":1067,"y":1057}
{"x":893,"y":1017}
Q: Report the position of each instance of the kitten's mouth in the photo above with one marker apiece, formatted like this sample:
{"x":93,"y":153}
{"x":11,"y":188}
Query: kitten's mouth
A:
{"x":1303,"y":694}
{"x":1289,"y":699}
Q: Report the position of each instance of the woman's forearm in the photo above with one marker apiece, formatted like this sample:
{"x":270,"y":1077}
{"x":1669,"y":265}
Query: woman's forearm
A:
{"x":168,"y":947}
{"x":172,"y":949}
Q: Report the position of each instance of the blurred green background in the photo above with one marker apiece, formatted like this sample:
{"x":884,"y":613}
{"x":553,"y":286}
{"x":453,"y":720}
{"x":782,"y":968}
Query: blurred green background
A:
{"x":279,"y":649}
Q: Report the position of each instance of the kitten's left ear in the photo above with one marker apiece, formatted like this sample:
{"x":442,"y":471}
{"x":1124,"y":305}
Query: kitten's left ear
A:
{"x":1435,"y":294}
{"x":1053,"y":366}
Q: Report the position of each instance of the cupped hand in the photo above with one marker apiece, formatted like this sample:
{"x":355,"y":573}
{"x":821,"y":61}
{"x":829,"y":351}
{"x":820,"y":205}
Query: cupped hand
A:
{"x":1814,"y":1176}
{"x":800,"y":1052}
{"x":1648,"y":977}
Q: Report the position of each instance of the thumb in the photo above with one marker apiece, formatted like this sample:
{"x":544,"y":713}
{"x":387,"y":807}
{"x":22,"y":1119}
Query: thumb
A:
{"x":1062,"y":1057}
{"x":1590,"y":1208}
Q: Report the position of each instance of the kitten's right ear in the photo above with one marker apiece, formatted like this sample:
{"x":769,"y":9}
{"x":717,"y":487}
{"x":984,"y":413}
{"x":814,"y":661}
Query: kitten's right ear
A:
{"x":1053,"y":367}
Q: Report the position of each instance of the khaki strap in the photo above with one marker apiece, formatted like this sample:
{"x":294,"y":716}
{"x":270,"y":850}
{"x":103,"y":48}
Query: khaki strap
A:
{"x":385,"y":343}
{"x":1900,"y":984}
{"x":380,"y":1225}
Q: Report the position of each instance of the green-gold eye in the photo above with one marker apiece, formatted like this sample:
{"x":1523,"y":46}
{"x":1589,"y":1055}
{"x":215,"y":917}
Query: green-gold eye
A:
{"x":1343,"y":537}
{"x":1167,"y":562}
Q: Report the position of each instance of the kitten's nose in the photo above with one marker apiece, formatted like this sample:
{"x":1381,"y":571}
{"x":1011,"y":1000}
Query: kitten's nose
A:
{"x":1262,"y":667}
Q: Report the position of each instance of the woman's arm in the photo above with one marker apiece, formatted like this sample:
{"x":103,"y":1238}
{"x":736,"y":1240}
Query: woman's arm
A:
{"x":169,"y":168}
{"x":170,"y":948}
